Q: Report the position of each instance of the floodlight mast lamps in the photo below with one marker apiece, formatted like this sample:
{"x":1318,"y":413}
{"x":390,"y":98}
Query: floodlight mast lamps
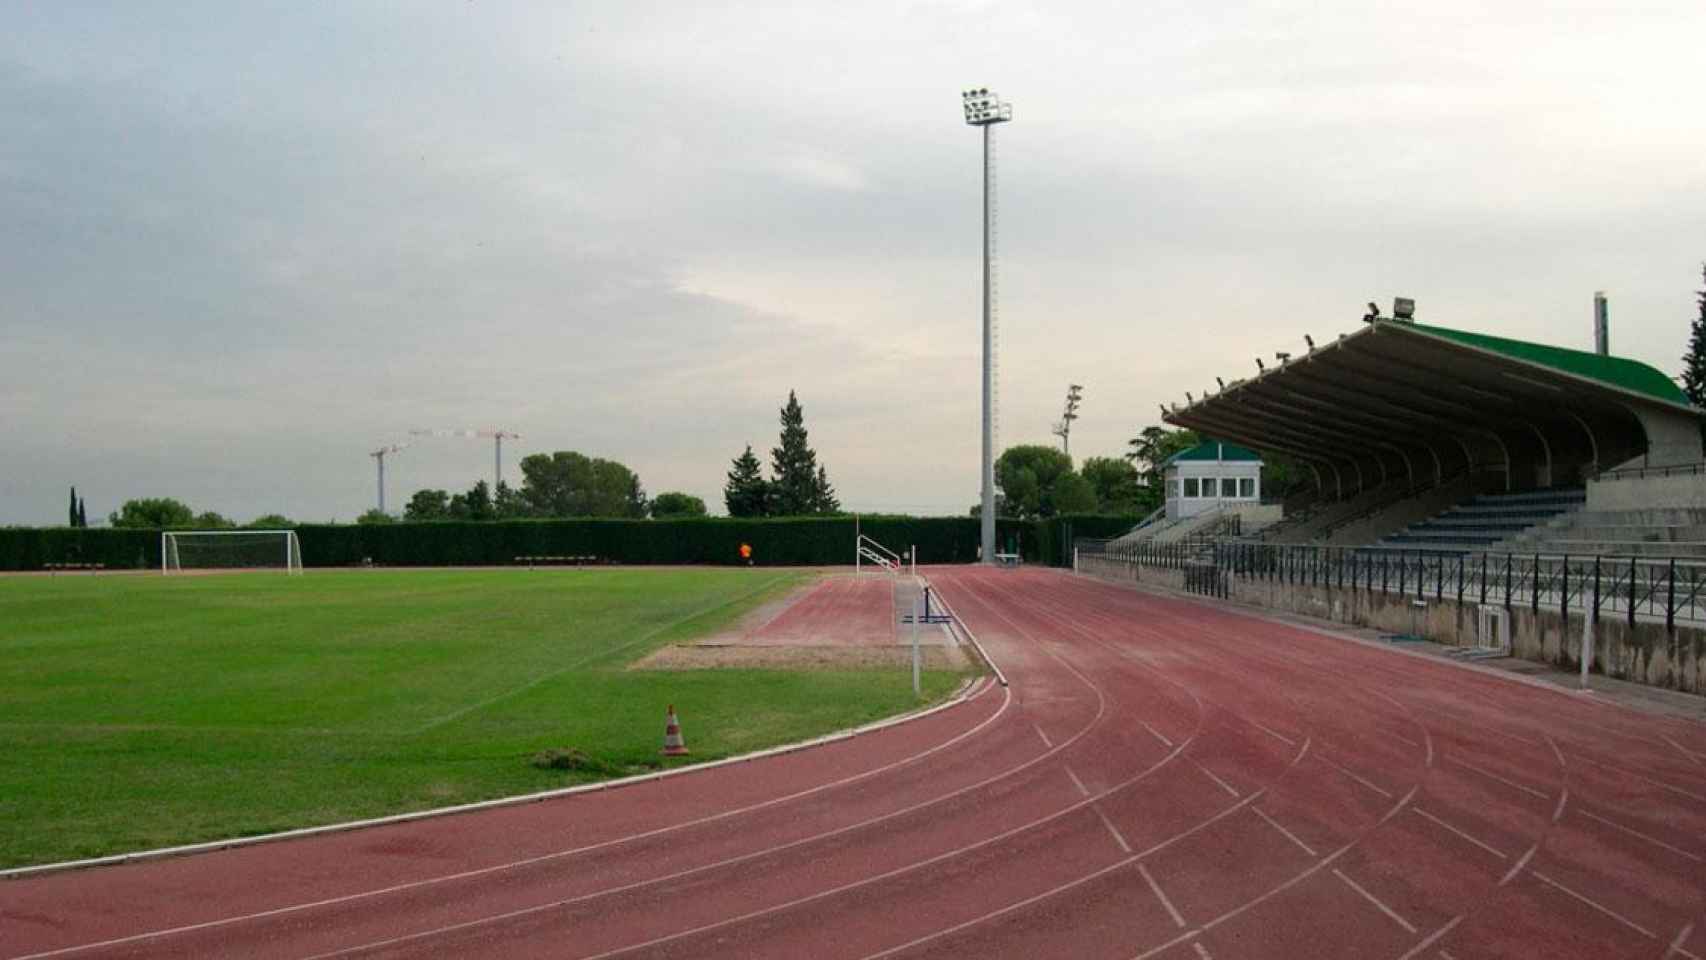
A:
{"x":983,"y":108}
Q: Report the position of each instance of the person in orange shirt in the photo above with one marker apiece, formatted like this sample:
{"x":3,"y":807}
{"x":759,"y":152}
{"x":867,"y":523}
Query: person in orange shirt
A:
{"x":746,"y":553}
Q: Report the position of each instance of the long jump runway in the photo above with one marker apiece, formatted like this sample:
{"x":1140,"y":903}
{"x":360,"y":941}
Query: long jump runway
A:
{"x":1162,"y":779}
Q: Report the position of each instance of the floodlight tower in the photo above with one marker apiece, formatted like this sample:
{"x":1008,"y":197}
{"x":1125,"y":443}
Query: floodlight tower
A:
{"x":1063,"y":429}
{"x":986,"y":109}
{"x":379,"y":455}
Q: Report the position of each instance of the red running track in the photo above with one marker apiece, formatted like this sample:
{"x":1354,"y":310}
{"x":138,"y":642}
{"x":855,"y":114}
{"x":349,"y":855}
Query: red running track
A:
{"x":841,"y":611}
{"x":1164,"y":778}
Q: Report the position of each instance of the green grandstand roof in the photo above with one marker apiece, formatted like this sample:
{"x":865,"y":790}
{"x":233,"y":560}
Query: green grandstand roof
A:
{"x":1619,"y":372}
{"x":1215,"y":450}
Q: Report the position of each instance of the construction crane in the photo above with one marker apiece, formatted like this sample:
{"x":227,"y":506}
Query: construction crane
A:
{"x":379,"y":455}
{"x":497,"y":436}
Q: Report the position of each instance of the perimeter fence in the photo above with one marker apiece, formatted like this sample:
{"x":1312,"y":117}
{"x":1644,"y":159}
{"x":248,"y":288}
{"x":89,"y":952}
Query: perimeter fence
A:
{"x":1668,"y":591}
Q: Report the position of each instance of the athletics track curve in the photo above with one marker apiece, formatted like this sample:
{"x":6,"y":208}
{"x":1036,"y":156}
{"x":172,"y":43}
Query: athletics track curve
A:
{"x":1164,"y":778}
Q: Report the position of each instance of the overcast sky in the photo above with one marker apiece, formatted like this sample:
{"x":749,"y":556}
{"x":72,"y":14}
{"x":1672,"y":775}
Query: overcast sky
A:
{"x":245,"y":244}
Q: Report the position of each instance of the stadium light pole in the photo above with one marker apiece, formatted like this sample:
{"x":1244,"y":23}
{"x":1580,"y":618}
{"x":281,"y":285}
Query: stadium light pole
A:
{"x":983,"y":108}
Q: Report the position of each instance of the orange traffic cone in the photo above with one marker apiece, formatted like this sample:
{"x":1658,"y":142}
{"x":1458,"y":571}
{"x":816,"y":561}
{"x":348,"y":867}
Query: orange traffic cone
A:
{"x":673,"y":745}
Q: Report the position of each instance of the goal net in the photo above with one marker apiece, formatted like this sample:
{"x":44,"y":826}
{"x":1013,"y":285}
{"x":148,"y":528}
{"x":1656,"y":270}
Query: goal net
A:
{"x":230,"y":550}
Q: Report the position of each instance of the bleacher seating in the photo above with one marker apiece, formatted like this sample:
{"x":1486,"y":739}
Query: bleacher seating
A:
{"x":1484,"y":522}
{"x":1656,"y":533}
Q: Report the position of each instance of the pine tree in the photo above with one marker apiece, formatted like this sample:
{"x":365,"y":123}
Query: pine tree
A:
{"x":824,"y":496}
{"x":1694,"y":361}
{"x":800,"y":485}
{"x":73,"y":513}
{"x":82,"y":513}
{"x":746,"y":494}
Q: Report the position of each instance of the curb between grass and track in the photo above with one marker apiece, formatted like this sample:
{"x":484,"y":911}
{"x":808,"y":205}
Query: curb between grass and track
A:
{"x":969,"y":689}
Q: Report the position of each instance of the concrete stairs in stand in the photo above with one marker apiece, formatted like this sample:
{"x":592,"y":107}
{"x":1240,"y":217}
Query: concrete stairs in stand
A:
{"x":1487,"y":523}
{"x":1656,"y":533}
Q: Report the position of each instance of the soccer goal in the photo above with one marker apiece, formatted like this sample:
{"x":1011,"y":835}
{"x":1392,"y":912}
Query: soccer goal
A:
{"x":182,"y":550}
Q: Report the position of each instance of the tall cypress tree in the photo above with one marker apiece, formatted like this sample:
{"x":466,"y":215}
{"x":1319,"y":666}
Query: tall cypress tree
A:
{"x":746,"y":494}
{"x":82,"y":513}
{"x":800,"y":485}
{"x":73,"y":514}
{"x":1694,"y":361}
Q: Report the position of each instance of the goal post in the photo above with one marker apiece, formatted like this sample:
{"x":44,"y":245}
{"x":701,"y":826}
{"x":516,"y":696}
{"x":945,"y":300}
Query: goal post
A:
{"x":182,"y":550}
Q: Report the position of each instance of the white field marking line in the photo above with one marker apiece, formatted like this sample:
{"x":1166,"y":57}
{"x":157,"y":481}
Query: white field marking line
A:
{"x":1124,"y":847}
{"x":1464,"y":835}
{"x":1157,"y":734}
{"x":1602,"y":908}
{"x":1371,"y":898}
{"x":1432,"y":939}
{"x":1283,"y":831}
{"x":1406,"y":741}
{"x":898,"y":871}
{"x":1075,"y":781}
{"x":1189,"y":936}
{"x":1172,"y":911}
{"x":1040,"y":733}
{"x":1677,"y":942}
{"x":560,"y":854}
{"x":1495,"y":777}
{"x":1655,"y":841}
{"x":1521,"y":862}
{"x":536,"y":681}
{"x":1222,"y":783}
{"x":1563,"y":798}
{"x":1557,"y":752}
{"x":1339,"y":767}
{"x":1282,"y":738}
{"x":1690,"y":754}
{"x":1625,"y":771}
{"x":1202,"y":951}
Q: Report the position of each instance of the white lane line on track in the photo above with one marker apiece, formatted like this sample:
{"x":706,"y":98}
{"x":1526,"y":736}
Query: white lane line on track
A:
{"x":1075,"y":781}
{"x":1499,"y":779}
{"x":1432,"y":939}
{"x":1202,"y":951}
{"x":1168,"y":743}
{"x":1495,"y":851}
{"x":1602,"y":908}
{"x":1371,"y":898}
{"x":1222,"y":783}
{"x":1040,"y":733}
{"x":1342,"y":769}
{"x":1283,"y":831}
{"x":1677,"y":942}
{"x":1118,"y":838}
{"x":1690,"y":754}
{"x":1655,"y":841}
{"x":1282,"y":738}
{"x":560,"y":854}
{"x":1172,"y":911}
{"x":1517,"y":867}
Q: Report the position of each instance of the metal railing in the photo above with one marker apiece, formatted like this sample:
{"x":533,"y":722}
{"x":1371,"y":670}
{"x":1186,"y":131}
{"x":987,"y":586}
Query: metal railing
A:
{"x":1635,"y":473}
{"x":1654,"y":591}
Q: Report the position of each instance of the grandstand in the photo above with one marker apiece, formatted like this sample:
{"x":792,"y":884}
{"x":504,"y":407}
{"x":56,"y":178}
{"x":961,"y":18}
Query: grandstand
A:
{"x":1423,"y":438}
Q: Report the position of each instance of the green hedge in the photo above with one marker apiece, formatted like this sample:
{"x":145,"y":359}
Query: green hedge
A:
{"x":780,"y":542}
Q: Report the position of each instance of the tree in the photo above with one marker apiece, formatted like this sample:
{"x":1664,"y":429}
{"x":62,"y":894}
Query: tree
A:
{"x":476,"y":504}
{"x":154,"y":512}
{"x":72,"y":513}
{"x":799,"y":486}
{"x":569,"y":484}
{"x":1072,"y":494}
{"x":1149,"y":450}
{"x":1694,"y":361}
{"x":209,"y":520}
{"x":1027,"y":475}
{"x":272,"y":521}
{"x":1115,"y":483}
{"x":376,"y":515}
{"x":747,"y":493}
{"x":675,"y":506}
{"x":507,"y":503}
{"x":82,"y":513}
{"x":427,"y":505}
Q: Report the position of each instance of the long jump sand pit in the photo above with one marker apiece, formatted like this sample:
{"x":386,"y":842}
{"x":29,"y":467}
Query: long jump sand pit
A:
{"x":842,"y":621}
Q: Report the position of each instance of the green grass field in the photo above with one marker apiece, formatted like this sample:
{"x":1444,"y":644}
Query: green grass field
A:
{"x":145,"y":711}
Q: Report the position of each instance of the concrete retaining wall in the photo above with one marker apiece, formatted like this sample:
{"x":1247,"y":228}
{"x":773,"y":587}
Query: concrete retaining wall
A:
{"x":1645,"y":653}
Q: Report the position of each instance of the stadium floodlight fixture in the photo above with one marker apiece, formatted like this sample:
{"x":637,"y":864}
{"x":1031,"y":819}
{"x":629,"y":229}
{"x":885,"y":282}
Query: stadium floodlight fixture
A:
{"x":1281,"y":356}
{"x":1311,"y":341}
{"x":984,"y":108}
{"x":1222,"y":384}
{"x":1373,"y":313}
{"x":1259,"y":367}
{"x":1190,"y":400}
{"x":1403,"y":308}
